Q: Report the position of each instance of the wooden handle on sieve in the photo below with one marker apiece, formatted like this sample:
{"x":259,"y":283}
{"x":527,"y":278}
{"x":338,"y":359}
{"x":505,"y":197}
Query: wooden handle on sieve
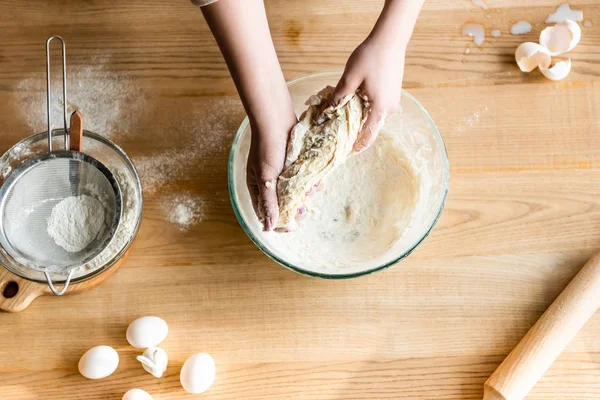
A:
{"x":76,"y":131}
{"x":536,"y":352}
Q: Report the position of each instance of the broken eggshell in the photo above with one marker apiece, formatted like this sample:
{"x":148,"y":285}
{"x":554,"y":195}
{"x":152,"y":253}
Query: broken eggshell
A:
{"x":561,"y":38}
{"x":531,"y":55}
{"x":154,"y":360}
{"x":559,"y":71}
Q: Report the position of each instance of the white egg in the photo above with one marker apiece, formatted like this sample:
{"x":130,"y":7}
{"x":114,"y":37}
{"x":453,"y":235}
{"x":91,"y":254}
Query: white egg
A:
{"x":98,"y":362}
{"x":559,"y":71}
{"x":136,"y":394}
{"x":561,"y":38}
{"x":147,"y":332}
{"x":198,"y":373}
{"x":531,"y":55}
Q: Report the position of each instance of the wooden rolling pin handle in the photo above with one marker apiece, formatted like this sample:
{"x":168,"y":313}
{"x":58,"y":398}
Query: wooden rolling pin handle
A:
{"x":75,"y":131}
{"x":551,"y":334}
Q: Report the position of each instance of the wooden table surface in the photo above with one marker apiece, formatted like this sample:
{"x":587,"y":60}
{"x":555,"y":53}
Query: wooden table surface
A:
{"x":521,"y":218}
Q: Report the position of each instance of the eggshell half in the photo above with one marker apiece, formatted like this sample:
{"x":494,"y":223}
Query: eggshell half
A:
{"x":531,"y":55}
{"x":561,"y":38}
{"x":558,"y":71}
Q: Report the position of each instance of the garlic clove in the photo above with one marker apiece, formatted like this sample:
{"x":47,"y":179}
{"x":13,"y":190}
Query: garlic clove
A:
{"x":154,"y":360}
{"x":531,"y":55}
{"x":558,"y":71}
{"x":561,"y":38}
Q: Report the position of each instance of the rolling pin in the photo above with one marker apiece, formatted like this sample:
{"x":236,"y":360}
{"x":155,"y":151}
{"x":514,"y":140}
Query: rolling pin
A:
{"x":555,"y":329}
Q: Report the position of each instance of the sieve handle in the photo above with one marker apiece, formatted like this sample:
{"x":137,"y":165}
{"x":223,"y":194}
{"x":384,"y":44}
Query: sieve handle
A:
{"x":48,"y":90}
{"x":51,"y":285}
{"x":76,"y":131}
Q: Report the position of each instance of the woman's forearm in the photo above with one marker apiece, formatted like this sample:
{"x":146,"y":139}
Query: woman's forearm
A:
{"x":396,"y":22}
{"x":242,"y":32}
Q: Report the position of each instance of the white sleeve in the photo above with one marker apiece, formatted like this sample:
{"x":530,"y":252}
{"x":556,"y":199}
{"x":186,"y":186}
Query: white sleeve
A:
{"x":202,"y":3}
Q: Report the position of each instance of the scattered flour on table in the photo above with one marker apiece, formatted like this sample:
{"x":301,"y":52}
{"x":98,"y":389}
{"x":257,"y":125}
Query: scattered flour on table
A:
{"x":184,"y":210}
{"x":472,"y":119}
{"x":76,"y":221}
{"x":110,"y":102}
{"x":204,"y":133}
{"x":113,"y":105}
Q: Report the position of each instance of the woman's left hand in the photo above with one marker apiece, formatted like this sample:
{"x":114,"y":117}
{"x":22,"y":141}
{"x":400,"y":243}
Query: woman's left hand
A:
{"x":376,"y":71}
{"x":376,"y":67}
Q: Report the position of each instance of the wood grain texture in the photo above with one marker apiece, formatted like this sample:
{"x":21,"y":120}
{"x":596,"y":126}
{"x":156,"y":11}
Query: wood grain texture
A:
{"x":522,"y":215}
{"x":549,"y":337}
{"x":25,"y":291}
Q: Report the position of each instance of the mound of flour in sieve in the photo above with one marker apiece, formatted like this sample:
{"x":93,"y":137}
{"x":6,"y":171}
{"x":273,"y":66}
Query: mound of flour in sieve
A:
{"x":75,"y":222}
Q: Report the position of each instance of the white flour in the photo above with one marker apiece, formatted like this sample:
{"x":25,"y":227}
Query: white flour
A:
{"x":126,"y":227}
{"x":373,"y":210}
{"x":471,"y":120}
{"x":184,"y":210}
{"x":129,"y":220}
{"x":111,"y":104}
{"x":206,"y":132}
{"x":76,"y":221}
{"x":351,"y":220}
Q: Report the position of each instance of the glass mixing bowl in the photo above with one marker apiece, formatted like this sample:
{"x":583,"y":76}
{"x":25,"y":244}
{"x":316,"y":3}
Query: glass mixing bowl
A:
{"x":110,"y":155}
{"x":424,"y":139}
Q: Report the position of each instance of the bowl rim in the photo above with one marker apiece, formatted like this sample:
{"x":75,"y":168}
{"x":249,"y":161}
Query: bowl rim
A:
{"x":138,"y":185}
{"x":313,"y":274}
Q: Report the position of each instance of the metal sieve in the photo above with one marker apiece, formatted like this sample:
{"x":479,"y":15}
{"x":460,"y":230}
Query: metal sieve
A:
{"x":31,"y":192}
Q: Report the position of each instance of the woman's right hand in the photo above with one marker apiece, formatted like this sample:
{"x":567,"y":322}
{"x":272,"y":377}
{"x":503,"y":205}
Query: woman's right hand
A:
{"x":242,"y":32}
{"x":265,"y":163}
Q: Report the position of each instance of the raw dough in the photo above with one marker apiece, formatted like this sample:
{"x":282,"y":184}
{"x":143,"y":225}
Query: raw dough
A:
{"x":315,"y":150}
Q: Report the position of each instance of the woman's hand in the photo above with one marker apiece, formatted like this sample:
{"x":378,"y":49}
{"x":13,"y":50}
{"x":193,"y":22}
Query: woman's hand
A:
{"x":265,"y":163}
{"x":376,"y":71}
{"x":242,"y":32}
{"x":376,"y":68}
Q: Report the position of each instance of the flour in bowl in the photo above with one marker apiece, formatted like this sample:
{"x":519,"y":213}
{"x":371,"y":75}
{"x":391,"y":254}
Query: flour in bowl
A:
{"x":373,"y":210}
{"x":127,"y":226}
{"x":366,"y":207}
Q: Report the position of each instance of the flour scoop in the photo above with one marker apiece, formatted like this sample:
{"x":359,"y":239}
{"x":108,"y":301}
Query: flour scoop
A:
{"x":37,"y":185}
